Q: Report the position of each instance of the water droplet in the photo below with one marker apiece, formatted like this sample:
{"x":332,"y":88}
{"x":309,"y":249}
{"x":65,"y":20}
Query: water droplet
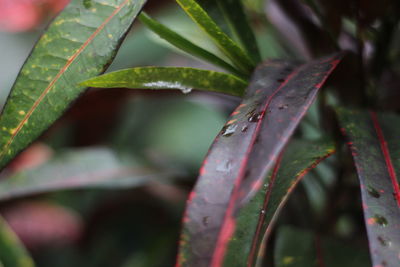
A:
{"x":283,"y":106}
{"x":206,"y":220}
{"x":228,"y":130}
{"x":186,"y":90}
{"x":225,"y":166}
{"x":244,"y":128}
{"x":255,"y":117}
{"x":265,"y":186}
{"x":373,"y":192}
{"x":262,"y":211}
{"x":384,"y":241}
{"x":382,"y":221}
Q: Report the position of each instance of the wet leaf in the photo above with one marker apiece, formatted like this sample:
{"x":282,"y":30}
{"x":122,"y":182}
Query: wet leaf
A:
{"x":300,"y":248}
{"x":79,"y":44}
{"x":255,"y":220}
{"x":373,"y":140}
{"x":88,"y":168}
{"x":244,"y":152}
{"x":184,"y":79}
{"x":12,"y":252}
{"x":184,"y":44}
{"x":236,"y":54}
{"x":234,"y":12}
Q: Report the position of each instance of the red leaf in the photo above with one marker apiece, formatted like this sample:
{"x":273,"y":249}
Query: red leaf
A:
{"x":243,"y":153}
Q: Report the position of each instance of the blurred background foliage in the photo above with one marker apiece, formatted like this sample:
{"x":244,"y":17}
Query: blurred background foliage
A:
{"x":152,"y":145}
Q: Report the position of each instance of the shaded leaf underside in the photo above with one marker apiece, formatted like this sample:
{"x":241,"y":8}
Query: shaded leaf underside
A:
{"x":245,"y":150}
{"x":79,"y":44}
{"x":374,"y":142}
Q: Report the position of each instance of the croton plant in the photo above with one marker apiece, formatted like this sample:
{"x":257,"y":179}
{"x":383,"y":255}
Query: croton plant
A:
{"x":334,"y":100}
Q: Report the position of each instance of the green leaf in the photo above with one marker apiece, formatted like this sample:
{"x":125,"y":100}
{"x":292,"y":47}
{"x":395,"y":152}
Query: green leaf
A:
{"x":12,"y":252}
{"x":374,"y":142}
{"x":79,"y":44}
{"x":238,"y":57}
{"x":234,"y":12}
{"x":300,"y":248}
{"x":255,"y":220}
{"x":184,"y":44}
{"x":86,"y":168}
{"x":184,"y":79}
{"x":213,"y":9}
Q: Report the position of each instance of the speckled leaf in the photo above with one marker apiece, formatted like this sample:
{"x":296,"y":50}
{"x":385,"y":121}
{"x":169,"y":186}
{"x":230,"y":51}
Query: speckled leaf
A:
{"x":184,"y":44}
{"x":213,"y":9}
{"x":300,"y":248}
{"x":234,"y":12}
{"x":12,"y":252}
{"x":255,"y":220}
{"x":234,"y":52}
{"x":244,"y":152}
{"x":79,"y":44}
{"x":184,"y":79}
{"x":374,"y":142}
{"x":86,"y":168}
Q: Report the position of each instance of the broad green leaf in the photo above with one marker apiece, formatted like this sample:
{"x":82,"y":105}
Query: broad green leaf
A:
{"x":80,"y":43}
{"x":300,"y":248}
{"x":236,"y":54}
{"x":234,"y":12}
{"x":244,"y":152}
{"x":184,"y":79}
{"x":374,"y":142}
{"x":88,"y":168}
{"x":184,"y":44}
{"x":256,"y":219}
{"x":12,"y":252}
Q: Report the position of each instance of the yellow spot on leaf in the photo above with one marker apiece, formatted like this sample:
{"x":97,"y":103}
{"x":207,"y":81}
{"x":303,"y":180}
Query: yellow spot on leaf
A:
{"x":21,"y":112}
{"x":13,"y":131}
{"x":110,"y":36}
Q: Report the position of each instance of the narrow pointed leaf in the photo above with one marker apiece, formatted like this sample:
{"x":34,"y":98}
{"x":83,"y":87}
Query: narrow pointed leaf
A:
{"x":244,"y":152}
{"x":255,"y":219}
{"x":184,"y":44}
{"x":79,"y":44}
{"x":236,"y":54}
{"x":213,"y":9}
{"x":234,"y":12}
{"x":374,"y":142}
{"x":12,"y":252}
{"x":89,"y":168}
{"x":184,"y":79}
{"x":300,"y":248}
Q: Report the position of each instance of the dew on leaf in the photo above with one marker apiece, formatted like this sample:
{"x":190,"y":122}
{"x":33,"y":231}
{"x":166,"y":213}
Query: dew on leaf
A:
{"x":225,"y":166}
{"x":255,"y":117}
{"x":229,"y":130}
{"x":382,"y":221}
{"x":373,"y":192}
{"x":244,"y":128}
{"x":384,"y":241}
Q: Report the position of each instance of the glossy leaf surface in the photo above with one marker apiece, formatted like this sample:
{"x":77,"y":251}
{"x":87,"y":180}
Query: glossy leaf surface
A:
{"x":79,"y":44}
{"x":234,"y":52}
{"x":89,"y":168}
{"x":184,"y":79}
{"x":255,"y":220}
{"x":234,"y":12}
{"x":245,"y":151}
{"x":300,"y":248}
{"x":184,"y":44}
{"x":374,"y":142}
{"x":12,"y":252}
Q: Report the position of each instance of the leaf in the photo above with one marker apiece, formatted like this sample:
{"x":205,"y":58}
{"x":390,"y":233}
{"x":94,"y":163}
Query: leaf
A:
{"x":234,"y":11}
{"x":12,"y":252}
{"x":374,"y":142}
{"x":185,"y":45}
{"x":300,"y":248}
{"x":212,"y":8}
{"x":255,"y":220}
{"x":79,"y":44}
{"x":184,"y":79}
{"x":244,"y":152}
{"x":238,"y":57}
{"x":86,"y":168}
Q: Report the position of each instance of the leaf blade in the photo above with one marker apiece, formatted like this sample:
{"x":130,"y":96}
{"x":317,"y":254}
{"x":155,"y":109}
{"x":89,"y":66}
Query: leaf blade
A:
{"x":275,"y":102}
{"x":373,"y":142}
{"x":238,"y":57}
{"x":170,"y":78}
{"x":79,"y":44}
